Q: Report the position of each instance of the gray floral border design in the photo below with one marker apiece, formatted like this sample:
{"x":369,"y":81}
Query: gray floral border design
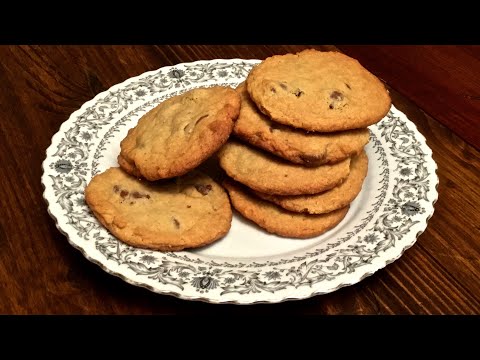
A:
{"x":410,"y":178}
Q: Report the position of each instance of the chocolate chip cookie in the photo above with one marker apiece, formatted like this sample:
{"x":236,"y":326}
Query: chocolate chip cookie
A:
{"x":180,"y":133}
{"x":318,"y":91}
{"x":269,"y":174}
{"x":186,"y":212}
{"x":336,"y":198}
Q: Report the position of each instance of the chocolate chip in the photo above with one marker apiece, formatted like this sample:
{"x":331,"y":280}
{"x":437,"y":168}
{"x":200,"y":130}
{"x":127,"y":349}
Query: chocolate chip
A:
{"x":124,"y":193}
{"x":283,"y":86}
{"x":136,"y":195}
{"x":298,"y":93}
{"x":131,"y":203}
{"x":336,"y":95}
{"x":330,"y":106}
{"x":200,"y":119}
{"x":116,"y":188}
{"x":176,"y":222}
{"x":189,"y":206}
{"x":348,"y":86}
{"x":272,"y":89}
{"x":203,"y":189}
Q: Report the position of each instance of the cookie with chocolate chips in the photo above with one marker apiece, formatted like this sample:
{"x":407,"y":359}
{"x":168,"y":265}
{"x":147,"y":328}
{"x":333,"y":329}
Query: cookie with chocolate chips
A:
{"x":269,"y":174}
{"x":180,"y":133}
{"x":295,"y":145}
{"x":186,"y":212}
{"x":336,"y":198}
{"x":279,"y":221}
{"x":318,"y":91}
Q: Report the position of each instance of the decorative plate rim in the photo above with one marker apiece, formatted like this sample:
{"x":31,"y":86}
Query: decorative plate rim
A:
{"x":421,"y":225}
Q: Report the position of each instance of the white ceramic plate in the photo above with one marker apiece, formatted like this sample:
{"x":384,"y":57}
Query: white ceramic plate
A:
{"x":248,"y":265}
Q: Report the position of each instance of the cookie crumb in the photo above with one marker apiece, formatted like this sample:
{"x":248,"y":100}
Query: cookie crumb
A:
{"x":274,"y":127}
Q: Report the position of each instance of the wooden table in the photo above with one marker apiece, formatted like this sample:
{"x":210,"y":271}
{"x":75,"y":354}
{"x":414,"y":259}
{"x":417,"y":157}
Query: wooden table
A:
{"x":438,"y":87}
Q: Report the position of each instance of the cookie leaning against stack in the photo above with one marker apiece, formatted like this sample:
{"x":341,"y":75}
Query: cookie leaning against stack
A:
{"x":180,"y":133}
{"x":169,"y":141}
{"x":308,"y":112}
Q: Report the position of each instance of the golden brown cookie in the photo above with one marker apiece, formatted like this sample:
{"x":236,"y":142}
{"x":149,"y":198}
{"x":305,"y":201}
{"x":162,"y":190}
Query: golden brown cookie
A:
{"x":318,"y":91}
{"x":180,"y":133}
{"x":269,"y":174}
{"x":279,"y":221}
{"x":186,"y":212}
{"x":336,"y":198}
{"x":295,"y":145}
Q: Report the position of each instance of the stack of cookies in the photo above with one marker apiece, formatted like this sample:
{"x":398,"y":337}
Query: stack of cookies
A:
{"x":299,"y":160}
{"x":157,"y":199}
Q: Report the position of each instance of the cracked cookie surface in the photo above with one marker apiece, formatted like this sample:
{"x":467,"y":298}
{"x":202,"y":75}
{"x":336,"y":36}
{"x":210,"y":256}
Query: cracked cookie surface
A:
{"x":318,"y":91}
{"x":180,"y":133}
{"x":295,"y":145}
{"x":170,"y":215}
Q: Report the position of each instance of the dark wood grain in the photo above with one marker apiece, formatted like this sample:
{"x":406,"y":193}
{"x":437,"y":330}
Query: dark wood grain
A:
{"x":444,"y":81}
{"x":40,"y":273}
